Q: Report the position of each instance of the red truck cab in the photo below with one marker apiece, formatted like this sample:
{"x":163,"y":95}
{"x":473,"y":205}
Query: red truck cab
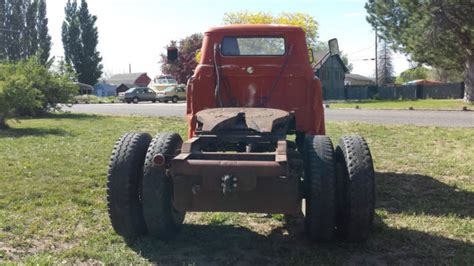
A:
{"x":257,"y":66}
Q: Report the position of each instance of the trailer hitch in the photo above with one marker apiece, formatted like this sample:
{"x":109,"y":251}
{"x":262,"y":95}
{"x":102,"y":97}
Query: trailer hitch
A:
{"x":229,"y":183}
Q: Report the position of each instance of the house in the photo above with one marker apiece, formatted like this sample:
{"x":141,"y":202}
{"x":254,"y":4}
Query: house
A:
{"x":331,"y":71}
{"x":85,"y":88}
{"x":124,"y":82}
{"x":104,"y":89}
{"x":358,"y":80}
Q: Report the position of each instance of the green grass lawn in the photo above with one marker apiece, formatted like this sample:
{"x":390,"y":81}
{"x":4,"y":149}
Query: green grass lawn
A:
{"x":405,"y":104}
{"x":53,"y":210}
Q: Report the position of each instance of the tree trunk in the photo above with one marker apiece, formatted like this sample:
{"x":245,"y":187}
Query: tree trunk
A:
{"x":469,"y":80}
{"x":3,"y":122}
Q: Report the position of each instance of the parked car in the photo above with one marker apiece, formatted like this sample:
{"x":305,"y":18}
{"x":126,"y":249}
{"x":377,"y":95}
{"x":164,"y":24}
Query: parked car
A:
{"x":174,"y":94}
{"x":138,"y":94}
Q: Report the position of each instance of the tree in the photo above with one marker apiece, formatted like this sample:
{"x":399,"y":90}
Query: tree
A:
{"x":80,"y":39}
{"x":24,"y":30}
{"x":415,"y":73}
{"x":30,"y":40}
{"x":444,"y":75}
{"x":303,"y":20}
{"x":28,"y":87}
{"x":346,"y":62}
{"x":44,"y":40}
{"x":436,"y":32}
{"x":188,"y":48}
{"x":15,"y":26}
{"x":385,"y":65}
{"x":3,"y":30}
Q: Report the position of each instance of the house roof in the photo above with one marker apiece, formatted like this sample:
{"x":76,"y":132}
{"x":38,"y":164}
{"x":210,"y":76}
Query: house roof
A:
{"x":359,"y":77}
{"x":127,"y":79}
{"x":322,"y":56}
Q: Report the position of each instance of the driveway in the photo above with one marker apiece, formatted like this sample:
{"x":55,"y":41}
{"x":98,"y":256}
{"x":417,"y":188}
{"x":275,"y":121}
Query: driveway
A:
{"x":421,"y":118}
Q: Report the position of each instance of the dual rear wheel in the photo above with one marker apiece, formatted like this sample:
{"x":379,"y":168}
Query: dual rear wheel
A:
{"x":139,"y":193}
{"x":339,"y":188}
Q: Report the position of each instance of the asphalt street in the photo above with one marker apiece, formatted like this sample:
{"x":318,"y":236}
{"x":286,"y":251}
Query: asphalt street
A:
{"x":413,"y":117}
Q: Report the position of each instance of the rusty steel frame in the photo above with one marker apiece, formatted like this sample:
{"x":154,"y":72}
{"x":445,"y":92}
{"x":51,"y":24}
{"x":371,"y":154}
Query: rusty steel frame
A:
{"x":213,"y":173}
{"x":264,"y":182}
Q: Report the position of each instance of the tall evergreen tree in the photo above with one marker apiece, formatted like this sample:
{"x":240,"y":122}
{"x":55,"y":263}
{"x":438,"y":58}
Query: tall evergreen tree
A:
{"x":71,"y":33}
{"x":30,"y":40}
{"x":3,"y":30}
{"x":80,"y":39}
{"x":44,"y":40}
{"x":24,"y":30}
{"x":15,"y":27}
{"x":385,"y":65}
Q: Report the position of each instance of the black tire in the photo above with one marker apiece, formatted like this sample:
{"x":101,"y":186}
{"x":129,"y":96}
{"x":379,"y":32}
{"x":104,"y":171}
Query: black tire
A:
{"x":136,"y":100}
{"x":124,"y":184}
{"x":162,"y":220}
{"x":129,"y":102}
{"x":356,"y":188}
{"x":166,"y":101}
{"x":174,"y":99}
{"x":154,"y":101}
{"x":320,"y":184}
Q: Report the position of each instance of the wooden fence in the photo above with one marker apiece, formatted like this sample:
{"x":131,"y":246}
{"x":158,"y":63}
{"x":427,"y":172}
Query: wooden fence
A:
{"x":405,"y":92}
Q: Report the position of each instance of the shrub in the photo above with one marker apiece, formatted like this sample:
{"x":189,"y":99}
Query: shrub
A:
{"x":94,"y":99}
{"x":30,"y":88}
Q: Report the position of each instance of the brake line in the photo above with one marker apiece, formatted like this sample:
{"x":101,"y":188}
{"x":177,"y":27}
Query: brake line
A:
{"x":228,"y":90}
{"x":275,"y":81}
{"x":217,"y":91}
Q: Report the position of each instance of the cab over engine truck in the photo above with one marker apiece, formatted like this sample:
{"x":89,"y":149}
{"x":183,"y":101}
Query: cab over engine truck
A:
{"x":253,"y":88}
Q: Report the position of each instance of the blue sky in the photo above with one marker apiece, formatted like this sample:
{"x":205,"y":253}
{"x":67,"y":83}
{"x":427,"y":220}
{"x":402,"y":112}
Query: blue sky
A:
{"x":135,"y":31}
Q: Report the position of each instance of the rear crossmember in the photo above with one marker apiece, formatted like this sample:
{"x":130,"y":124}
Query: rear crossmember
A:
{"x":245,"y":181}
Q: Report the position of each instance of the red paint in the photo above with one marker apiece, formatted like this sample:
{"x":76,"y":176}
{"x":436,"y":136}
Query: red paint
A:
{"x":298,"y":89}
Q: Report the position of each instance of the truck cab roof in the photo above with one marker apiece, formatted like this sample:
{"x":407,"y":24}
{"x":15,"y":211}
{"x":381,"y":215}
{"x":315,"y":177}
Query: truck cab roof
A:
{"x":245,"y":28}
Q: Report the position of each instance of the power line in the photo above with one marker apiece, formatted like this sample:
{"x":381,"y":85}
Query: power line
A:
{"x":361,"y":50}
{"x":373,"y":58}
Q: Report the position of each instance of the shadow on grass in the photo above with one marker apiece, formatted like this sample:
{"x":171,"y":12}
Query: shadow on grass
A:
{"x":27,"y":132}
{"x":417,"y":194}
{"x":66,"y":115}
{"x":231,"y":245}
{"x":414,"y":194}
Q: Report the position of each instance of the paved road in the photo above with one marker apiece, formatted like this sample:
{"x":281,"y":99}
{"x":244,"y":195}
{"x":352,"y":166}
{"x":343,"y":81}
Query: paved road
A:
{"x":422,"y":118}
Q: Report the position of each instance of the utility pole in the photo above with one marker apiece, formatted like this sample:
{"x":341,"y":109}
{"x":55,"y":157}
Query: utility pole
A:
{"x":129,"y":68}
{"x":376,"y":60}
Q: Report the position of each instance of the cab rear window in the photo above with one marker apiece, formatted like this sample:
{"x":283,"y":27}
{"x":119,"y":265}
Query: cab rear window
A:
{"x":253,"y":46}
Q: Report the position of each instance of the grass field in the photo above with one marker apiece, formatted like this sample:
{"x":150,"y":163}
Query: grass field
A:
{"x":52,"y":201}
{"x":405,"y":104}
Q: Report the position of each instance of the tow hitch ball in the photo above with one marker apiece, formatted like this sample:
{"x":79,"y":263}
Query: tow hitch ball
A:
{"x":229,"y":183}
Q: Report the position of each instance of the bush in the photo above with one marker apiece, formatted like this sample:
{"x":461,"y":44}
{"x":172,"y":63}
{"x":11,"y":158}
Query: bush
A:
{"x":94,"y":99}
{"x":30,"y":88}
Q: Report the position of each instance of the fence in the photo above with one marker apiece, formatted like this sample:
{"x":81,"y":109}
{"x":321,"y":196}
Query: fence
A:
{"x":405,"y":92}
